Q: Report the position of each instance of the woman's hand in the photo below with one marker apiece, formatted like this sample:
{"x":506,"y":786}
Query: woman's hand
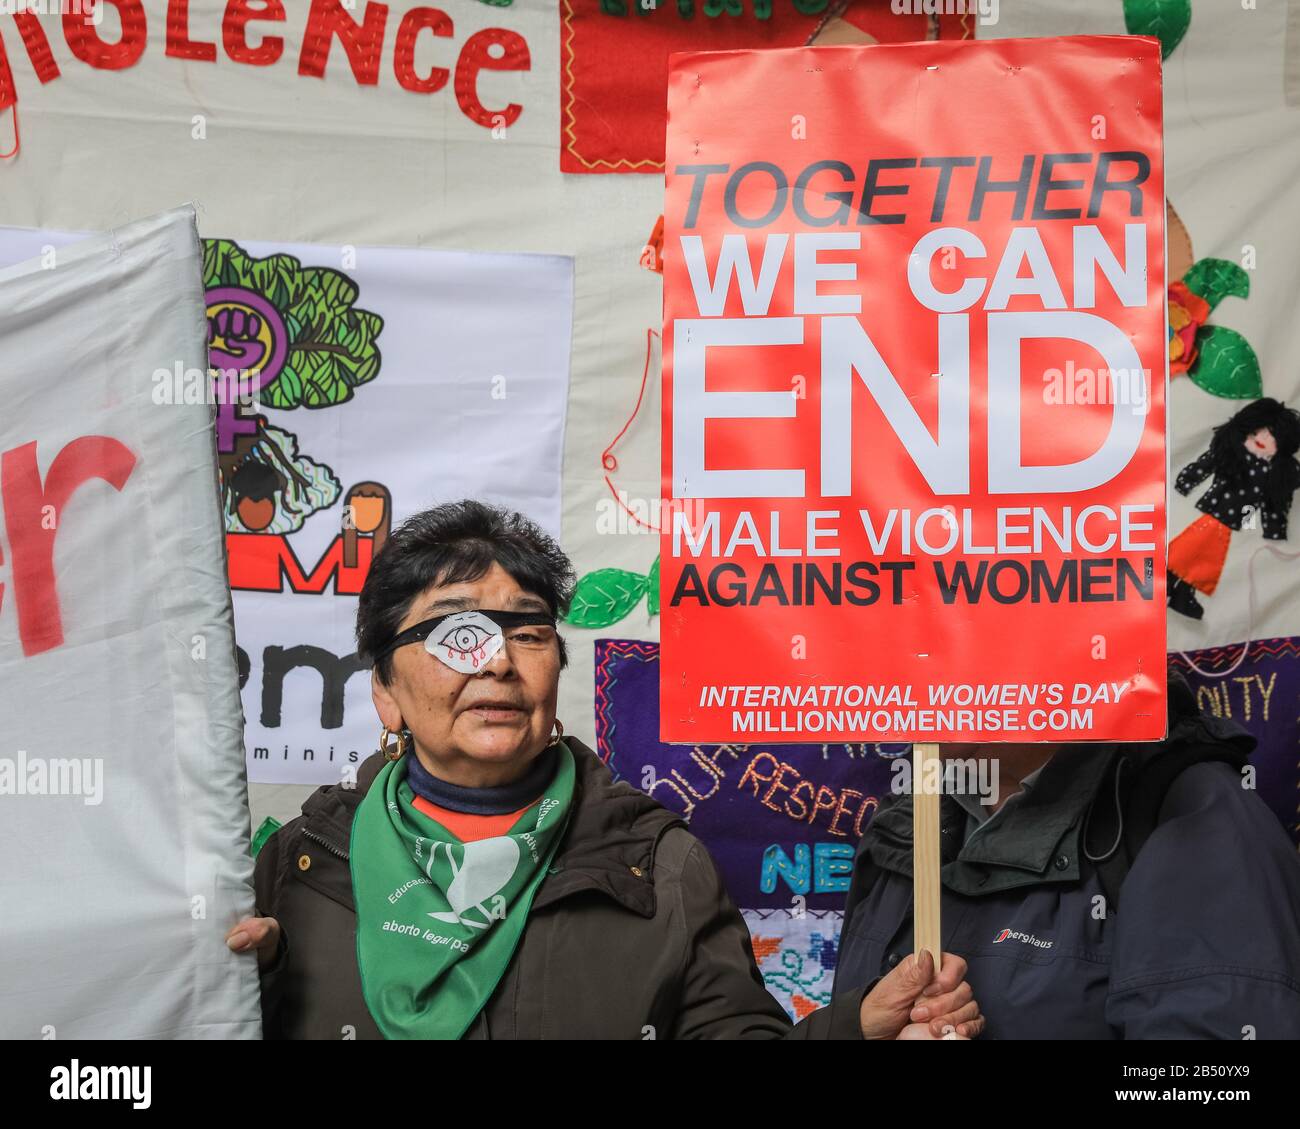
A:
{"x":255,"y":934}
{"x":912,"y":994}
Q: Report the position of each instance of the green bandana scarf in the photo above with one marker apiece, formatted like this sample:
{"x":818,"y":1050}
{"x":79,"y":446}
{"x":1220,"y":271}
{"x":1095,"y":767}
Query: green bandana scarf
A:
{"x":437,"y":919}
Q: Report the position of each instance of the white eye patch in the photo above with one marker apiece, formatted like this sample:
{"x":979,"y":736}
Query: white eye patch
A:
{"x":466,"y":642}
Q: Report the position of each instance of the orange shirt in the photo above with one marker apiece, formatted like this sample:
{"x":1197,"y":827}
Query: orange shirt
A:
{"x":470,"y":828}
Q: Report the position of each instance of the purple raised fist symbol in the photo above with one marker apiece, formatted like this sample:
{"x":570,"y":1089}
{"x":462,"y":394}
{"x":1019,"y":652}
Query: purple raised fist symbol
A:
{"x":239,"y":330}
{"x":247,"y":348}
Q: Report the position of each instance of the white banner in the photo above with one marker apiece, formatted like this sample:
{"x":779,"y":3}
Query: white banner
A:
{"x":123,"y":807}
{"x":463,"y":367}
{"x":377,"y":382}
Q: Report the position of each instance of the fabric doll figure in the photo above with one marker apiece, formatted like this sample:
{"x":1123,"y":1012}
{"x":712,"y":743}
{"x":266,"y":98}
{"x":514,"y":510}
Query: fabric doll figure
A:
{"x":1255,"y":475}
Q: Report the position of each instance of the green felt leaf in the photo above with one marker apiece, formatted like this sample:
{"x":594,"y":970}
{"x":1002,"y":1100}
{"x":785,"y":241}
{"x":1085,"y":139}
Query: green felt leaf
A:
{"x":1216,"y":279}
{"x":652,"y":591}
{"x":1167,"y":20}
{"x":605,"y":596}
{"x":1226,"y":365}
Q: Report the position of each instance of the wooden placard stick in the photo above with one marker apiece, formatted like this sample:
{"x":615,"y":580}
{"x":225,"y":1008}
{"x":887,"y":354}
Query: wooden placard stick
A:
{"x":925,"y":851}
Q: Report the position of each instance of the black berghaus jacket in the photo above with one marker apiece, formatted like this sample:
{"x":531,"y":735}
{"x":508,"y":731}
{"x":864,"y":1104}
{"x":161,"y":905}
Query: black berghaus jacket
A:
{"x":1203,"y":940}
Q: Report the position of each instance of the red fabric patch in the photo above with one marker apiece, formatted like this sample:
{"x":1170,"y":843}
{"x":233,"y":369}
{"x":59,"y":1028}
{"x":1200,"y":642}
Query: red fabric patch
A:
{"x":1198,"y":553}
{"x":8,"y":92}
{"x":234,"y":32}
{"x":179,"y":43}
{"x":493,"y":49}
{"x":84,"y":42}
{"x":362,"y":42}
{"x":614,"y":69}
{"x":414,"y":22}
{"x":38,"y":47}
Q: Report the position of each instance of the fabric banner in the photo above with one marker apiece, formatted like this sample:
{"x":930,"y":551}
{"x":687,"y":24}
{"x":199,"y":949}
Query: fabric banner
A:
{"x":614,"y":59}
{"x":796,"y":952}
{"x":781,"y":821}
{"x":1257,"y":685}
{"x":417,"y":169}
{"x":123,"y":807}
{"x":916,"y":398}
{"x":364,"y":384}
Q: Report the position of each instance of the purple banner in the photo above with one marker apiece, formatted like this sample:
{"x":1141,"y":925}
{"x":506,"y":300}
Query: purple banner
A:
{"x":1257,"y":685}
{"x":781,"y":821}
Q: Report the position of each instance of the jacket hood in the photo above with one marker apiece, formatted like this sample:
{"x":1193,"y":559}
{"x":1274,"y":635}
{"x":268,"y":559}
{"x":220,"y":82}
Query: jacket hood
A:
{"x":1189,"y":726}
{"x":608,"y":846}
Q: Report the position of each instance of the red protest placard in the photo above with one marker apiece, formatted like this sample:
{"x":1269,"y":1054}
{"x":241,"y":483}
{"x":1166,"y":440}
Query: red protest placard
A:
{"x":914,"y":370}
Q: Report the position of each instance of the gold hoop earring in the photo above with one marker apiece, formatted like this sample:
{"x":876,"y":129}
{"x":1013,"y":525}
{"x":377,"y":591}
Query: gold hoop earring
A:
{"x":557,"y":736}
{"x":387,"y":747}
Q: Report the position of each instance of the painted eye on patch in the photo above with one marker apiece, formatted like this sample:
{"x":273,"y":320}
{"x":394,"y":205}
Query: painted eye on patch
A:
{"x":464,"y":639}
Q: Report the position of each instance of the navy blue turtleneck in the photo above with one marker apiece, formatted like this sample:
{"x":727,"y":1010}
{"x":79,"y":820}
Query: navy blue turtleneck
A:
{"x":483,"y":801}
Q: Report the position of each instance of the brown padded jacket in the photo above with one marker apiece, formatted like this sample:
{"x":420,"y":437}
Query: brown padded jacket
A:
{"x":631,"y":934}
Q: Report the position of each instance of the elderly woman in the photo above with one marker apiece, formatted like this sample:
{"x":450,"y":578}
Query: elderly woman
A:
{"x":485,"y":877}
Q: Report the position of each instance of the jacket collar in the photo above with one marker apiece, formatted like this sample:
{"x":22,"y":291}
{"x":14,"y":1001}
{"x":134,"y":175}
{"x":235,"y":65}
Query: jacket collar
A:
{"x":1041,"y":835}
{"x":1041,"y":838}
{"x":608,"y":847}
{"x":1035,"y":841}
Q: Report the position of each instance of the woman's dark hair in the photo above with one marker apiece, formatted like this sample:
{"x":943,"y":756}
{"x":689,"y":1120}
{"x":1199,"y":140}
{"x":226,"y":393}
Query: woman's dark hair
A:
{"x":1228,"y":452}
{"x":451,"y":544}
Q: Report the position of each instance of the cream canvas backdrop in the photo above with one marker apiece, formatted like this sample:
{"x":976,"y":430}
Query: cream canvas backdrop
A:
{"x":288,"y":158}
{"x":292,"y":158}
{"x":1232,"y":156}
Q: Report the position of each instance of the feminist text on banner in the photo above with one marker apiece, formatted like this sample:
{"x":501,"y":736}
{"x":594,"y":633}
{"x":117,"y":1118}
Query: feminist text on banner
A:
{"x":1257,"y":686}
{"x":123,"y":807}
{"x":914,"y":394}
{"x":73,"y":35}
{"x":354,"y":386}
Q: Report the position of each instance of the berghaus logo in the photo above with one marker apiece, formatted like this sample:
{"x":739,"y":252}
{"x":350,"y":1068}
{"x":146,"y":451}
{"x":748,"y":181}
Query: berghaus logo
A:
{"x":1023,"y":938}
